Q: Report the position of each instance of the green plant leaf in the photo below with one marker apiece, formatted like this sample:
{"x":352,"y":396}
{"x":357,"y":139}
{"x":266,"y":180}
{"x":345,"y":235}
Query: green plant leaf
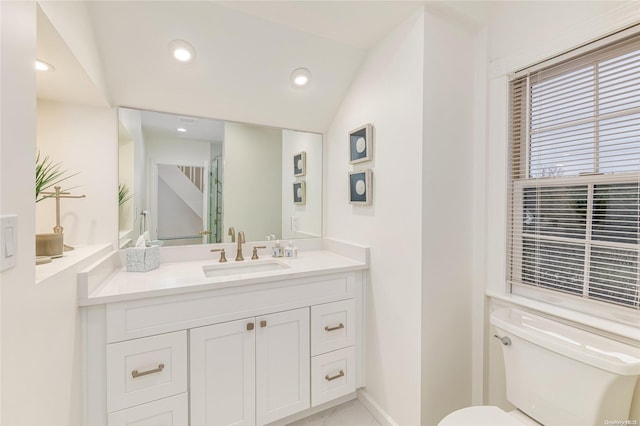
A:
{"x":123,"y":194}
{"x":48,"y":175}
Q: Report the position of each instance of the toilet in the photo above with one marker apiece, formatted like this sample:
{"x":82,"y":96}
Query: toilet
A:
{"x":556,"y":375}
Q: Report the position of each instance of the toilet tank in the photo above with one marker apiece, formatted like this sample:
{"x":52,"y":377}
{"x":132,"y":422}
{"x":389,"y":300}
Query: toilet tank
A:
{"x":561,"y":375}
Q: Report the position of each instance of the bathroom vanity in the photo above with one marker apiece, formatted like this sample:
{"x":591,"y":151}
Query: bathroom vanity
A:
{"x":198,"y":342}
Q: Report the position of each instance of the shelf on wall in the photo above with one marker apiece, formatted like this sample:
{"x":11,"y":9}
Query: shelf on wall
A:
{"x":79,"y":258}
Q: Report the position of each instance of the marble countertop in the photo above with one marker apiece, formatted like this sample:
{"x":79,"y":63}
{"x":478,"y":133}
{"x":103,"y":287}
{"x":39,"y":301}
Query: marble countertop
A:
{"x":108,"y":282}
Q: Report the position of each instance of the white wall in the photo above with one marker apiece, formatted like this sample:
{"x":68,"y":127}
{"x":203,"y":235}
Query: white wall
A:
{"x":126,"y":173}
{"x":83,"y":139}
{"x":164,"y":149}
{"x":309,"y":215}
{"x":252,"y":195}
{"x":513,"y":26}
{"x":40,"y":334}
{"x":387,"y":92}
{"x":177,"y":218}
{"x":71,"y":20}
{"x":447,"y":214}
{"x":41,"y":365}
{"x":130,"y":119}
{"x":17,"y":155}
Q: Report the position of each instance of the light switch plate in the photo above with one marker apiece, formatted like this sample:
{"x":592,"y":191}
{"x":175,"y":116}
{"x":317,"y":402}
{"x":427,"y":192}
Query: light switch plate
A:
{"x":8,"y":241}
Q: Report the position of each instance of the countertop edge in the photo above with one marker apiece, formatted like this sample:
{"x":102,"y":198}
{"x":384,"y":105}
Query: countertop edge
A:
{"x":200,"y":287}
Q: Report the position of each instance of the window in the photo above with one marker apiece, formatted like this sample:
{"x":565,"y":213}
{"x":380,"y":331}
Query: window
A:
{"x":574,"y":187}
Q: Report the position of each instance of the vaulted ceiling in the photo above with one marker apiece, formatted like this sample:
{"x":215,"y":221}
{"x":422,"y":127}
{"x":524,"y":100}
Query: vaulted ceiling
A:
{"x":245,"y":53}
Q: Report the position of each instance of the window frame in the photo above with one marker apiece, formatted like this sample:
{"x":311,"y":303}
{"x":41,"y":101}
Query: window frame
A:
{"x":518,"y":178}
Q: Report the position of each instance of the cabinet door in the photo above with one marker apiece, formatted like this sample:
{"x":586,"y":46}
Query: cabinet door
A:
{"x":222,"y":373}
{"x":282,"y":364}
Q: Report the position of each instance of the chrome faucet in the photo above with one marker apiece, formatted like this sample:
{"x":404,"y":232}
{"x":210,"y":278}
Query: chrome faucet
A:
{"x":240,"y":242}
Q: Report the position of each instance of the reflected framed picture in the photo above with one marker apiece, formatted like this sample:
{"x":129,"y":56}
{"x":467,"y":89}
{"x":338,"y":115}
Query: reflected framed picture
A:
{"x":361,"y":144}
{"x":360,"y":187}
{"x":299,"y":192}
{"x":300,"y":164}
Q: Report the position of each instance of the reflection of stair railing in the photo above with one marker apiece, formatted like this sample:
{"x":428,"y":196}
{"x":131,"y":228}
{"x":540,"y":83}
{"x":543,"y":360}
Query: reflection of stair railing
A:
{"x":195,"y":175}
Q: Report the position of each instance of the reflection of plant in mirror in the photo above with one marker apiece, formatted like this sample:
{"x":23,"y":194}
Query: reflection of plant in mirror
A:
{"x":123,"y":194}
{"x":48,"y":174}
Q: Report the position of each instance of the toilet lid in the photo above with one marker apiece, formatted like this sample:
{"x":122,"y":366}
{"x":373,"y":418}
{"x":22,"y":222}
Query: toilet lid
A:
{"x":480,"y":416}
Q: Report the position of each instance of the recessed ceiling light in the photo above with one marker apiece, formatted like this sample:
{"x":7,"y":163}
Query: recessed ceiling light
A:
{"x":182,"y":51}
{"x":300,"y":77}
{"x":181,"y":129}
{"x":43,"y":66}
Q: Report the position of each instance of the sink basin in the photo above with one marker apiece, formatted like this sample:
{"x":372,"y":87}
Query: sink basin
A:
{"x":244,"y":267}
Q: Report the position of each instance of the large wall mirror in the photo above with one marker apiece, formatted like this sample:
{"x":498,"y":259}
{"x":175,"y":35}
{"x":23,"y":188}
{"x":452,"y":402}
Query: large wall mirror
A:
{"x":189,"y":180}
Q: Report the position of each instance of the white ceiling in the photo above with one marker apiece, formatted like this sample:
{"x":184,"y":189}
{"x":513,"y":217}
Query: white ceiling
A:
{"x":245,"y":52}
{"x":356,"y":23}
{"x":201,"y":129}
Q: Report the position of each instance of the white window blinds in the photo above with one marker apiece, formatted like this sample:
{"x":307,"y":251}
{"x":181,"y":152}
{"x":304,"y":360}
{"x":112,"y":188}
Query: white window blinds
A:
{"x":574,"y":186}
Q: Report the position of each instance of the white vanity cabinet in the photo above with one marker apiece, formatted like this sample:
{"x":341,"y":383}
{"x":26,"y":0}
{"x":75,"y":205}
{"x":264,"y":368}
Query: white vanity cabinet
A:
{"x":261,"y":361}
{"x":250,"y":354}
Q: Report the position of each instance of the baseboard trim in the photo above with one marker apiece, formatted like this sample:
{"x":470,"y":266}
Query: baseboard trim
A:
{"x":374,"y":408}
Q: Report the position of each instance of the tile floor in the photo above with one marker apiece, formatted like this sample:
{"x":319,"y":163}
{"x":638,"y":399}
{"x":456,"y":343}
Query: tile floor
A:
{"x":351,"y":413}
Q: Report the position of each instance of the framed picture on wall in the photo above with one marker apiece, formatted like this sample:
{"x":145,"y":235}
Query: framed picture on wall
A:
{"x":360,"y":187}
{"x":361,"y":144}
{"x":300,"y":164}
{"x":299,"y":192}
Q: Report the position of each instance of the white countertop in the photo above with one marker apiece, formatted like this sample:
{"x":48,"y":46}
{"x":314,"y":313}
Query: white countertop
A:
{"x":188,"y":276}
{"x":79,"y":257}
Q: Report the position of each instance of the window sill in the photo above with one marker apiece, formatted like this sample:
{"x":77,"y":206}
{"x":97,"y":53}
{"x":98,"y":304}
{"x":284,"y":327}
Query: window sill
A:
{"x":611,"y":326}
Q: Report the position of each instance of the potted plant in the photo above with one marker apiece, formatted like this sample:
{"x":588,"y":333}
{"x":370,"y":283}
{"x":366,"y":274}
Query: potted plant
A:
{"x":49,"y":175}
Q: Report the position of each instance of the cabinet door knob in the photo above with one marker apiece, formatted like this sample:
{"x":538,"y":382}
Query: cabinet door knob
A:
{"x":250,"y":326}
{"x":263,"y":323}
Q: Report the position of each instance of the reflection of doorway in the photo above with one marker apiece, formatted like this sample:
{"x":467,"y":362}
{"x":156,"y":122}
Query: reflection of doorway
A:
{"x":181,"y":210}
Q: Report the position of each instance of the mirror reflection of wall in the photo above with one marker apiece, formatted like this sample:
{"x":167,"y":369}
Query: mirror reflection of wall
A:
{"x":190,"y":186}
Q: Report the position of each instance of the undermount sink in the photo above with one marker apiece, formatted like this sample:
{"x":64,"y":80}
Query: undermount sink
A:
{"x":244,"y":267}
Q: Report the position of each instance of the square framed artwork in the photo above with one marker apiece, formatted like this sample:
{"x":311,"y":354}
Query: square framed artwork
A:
{"x":360,"y":191}
{"x":300,"y":164}
{"x":361,"y":144}
{"x":299,"y":192}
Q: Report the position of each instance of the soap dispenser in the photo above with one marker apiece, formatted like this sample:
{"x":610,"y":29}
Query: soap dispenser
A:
{"x":291,"y":251}
{"x":278,"y":250}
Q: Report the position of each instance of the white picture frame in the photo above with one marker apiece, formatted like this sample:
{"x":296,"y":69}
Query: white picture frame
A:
{"x":361,"y":144}
{"x":360,"y":187}
{"x":300,"y":164}
{"x":299,"y":192}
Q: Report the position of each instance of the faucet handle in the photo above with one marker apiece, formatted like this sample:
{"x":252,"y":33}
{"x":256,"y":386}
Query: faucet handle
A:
{"x":223,"y":258}
{"x":255,"y":251}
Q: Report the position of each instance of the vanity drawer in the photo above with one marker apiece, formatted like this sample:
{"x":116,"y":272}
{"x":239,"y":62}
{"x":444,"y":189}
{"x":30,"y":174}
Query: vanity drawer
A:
{"x":332,"y":326}
{"x":172,"y":411}
{"x":143,"y":370}
{"x":332,"y":375}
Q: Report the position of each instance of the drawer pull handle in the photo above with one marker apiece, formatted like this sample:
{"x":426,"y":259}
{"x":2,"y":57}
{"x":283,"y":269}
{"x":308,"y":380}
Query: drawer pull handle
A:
{"x":337,"y":376}
{"x":263,"y":323}
{"x":136,"y":374}
{"x":250,"y":326}
{"x":337,"y":327}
